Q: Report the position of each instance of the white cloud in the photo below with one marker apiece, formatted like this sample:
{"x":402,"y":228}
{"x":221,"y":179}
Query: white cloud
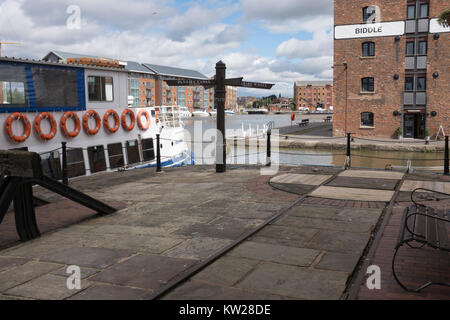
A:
{"x":290,"y":16}
{"x":195,"y":18}
{"x":320,"y":45}
{"x":158,"y":32}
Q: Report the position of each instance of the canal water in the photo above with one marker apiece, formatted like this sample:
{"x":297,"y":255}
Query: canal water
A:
{"x":423,"y":161}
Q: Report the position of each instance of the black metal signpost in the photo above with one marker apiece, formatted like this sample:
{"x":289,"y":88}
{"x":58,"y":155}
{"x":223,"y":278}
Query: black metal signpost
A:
{"x":219,"y":84}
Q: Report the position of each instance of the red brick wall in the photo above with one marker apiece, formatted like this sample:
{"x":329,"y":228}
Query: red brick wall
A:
{"x":323,"y":94}
{"x":389,"y":60}
{"x":387,"y":97}
{"x":350,"y":11}
{"x":143,"y":92}
{"x":438,"y":90}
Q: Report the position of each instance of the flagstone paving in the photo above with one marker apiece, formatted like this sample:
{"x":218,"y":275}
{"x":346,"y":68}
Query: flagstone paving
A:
{"x":171,"y":222}
{"x":358,"y":194}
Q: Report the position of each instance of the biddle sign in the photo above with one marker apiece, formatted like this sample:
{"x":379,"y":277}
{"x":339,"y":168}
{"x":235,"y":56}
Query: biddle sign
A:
{"x":369,"y":30}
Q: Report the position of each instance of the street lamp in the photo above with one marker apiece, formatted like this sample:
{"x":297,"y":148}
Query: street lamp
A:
{"x":345,"y":65}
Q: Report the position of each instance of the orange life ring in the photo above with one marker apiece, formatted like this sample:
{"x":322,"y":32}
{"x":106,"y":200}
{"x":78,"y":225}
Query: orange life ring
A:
{"x":73,"y":115}
{"x":26,"y":125}
{"x":116,"y":121}
{"x":124,"y":119}
{"x":139,"y":120}
{"x":98,"y":121}
{"x":53,"y":124}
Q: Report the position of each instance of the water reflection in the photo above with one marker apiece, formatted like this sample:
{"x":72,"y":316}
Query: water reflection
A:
{"x":324,"y":157}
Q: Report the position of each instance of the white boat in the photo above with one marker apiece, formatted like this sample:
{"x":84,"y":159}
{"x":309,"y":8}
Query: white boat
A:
{"x":44,"y":104}
{"x":200,"y":113}
{"x":213,"y":113}
{"x":184,"y":112}
{"x":257,"y":111}
{"x":229,"y":112}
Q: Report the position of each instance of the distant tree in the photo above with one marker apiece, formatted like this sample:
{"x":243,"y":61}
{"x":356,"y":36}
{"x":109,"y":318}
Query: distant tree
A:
{"x":444,"y":18}
{"x":292,"y":104}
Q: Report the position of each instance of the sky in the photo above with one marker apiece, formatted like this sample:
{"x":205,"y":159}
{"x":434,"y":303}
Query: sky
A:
{"x":275,"y":41}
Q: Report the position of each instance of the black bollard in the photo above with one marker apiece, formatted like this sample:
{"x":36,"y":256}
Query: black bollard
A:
{"x":65,"y":178}
{"x":269,"y":151}
{"x":158,"y":154}
{"x":446,"y":157}
{"x":347,"y":160}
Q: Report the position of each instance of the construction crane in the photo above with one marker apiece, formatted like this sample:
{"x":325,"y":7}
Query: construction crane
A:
{"x":1,"y":43}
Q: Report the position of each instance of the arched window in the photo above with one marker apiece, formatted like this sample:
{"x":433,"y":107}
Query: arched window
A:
{"x":369,"y":14}
{"x":367,"y":119}
{"x":368,"y":84}
{"x":368,"y":49}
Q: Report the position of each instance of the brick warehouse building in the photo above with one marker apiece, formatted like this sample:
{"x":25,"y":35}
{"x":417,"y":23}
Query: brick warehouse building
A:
{"x":309,"y":93}
{"x":391,"y":68}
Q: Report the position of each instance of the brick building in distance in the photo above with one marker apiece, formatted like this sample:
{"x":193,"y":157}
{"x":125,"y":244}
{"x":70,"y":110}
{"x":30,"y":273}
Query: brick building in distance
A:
{"x":391,"y":68}
{"x":147,"y":86}
{"x":309,"y":93}
{"x":231,"y":98}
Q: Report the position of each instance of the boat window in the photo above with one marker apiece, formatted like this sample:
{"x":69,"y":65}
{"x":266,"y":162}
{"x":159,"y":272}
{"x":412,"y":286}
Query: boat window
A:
{"x":75,"y":163}
{"x":100,"y":88}
{"x":133,"y":152}
{"x":148,"y":149}
{"x":55,"y":87}
{"x":115,"y":152}
{"x":12,"y":93}
{"x":97,"y":158}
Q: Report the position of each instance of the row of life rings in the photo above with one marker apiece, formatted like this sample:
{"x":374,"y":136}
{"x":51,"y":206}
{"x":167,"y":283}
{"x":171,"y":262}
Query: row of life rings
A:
{"x":127,"y":113}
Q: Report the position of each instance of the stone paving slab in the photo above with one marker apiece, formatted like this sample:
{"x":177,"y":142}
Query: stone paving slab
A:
{"x":275,"y":253}
{"x":295,"y":282}
{"x":110,"y":292}
{"x":364,"y":183}
{"x":344,"y":214}
{"x":325,"y":224}
{"x":352,"y":194}
{"x":47,"y":287}
{"x":9,"y":262}
{"x":198,"y":290}
{"x":99,"y":258}
{"x":308,"y":179}
{"x":226,"y":271}
{"x":223,"y":227}
{"x":285,"y":235}
{"x":198,"y":248}
{"x":85,"y":272}
{"x":410,"y":185}
{"x":34,"y":249}
{"x":144,"y":271}
{"x":338,"y":241}
{"x":24,"y":273}
{"x":376,"y":174}
{"x":338,"y":261}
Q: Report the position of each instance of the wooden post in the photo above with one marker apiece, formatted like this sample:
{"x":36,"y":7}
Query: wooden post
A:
{"x":221,"y":150}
